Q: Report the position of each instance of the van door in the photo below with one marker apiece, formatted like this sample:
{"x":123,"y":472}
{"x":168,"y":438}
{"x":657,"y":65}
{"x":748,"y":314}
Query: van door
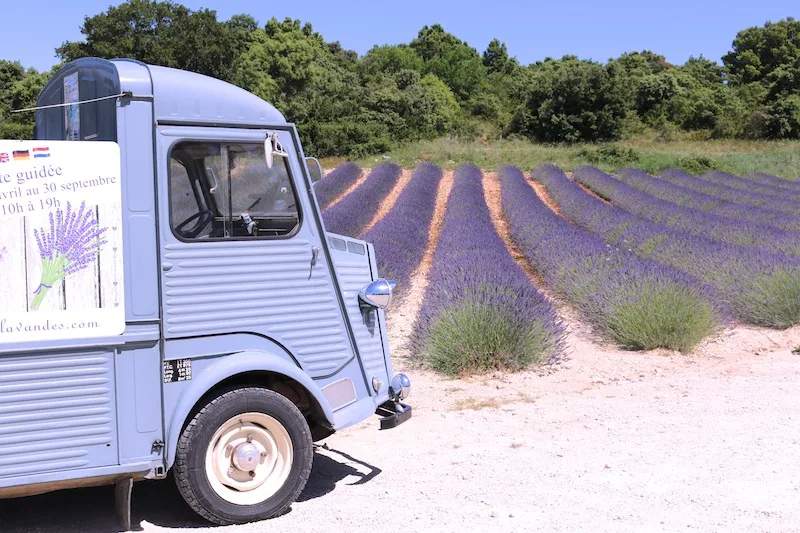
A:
{"x":240,"y":252}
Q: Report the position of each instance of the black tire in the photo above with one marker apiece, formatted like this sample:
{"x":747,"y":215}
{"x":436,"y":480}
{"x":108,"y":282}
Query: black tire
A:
{"x":190,"y":472}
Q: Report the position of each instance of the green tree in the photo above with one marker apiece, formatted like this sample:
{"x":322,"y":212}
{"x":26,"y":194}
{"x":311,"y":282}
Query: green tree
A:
{"x":163,"y":33}
{"x":19,"y":89}
{"x":314,"y":84}
{"x":496,"y":58}
{"x":453,"y":61}
{"x":759,"y":51}
{"x":389,"y":59}
{"x":572,"y":100}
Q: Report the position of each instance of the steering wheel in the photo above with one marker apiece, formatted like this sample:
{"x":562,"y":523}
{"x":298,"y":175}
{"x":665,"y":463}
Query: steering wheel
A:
{"x":203,"y":218}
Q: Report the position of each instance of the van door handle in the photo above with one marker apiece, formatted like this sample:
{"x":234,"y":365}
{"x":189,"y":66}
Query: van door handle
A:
{"x":314,"y":256}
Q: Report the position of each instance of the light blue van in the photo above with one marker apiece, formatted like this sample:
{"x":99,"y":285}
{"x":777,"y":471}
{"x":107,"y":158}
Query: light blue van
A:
{"x":250,"y":332}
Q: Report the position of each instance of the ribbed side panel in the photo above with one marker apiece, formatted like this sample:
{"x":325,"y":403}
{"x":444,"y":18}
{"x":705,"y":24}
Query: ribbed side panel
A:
{"x":266,"y":287}
{"x":354,"y":273}
{"x":56,"y":413}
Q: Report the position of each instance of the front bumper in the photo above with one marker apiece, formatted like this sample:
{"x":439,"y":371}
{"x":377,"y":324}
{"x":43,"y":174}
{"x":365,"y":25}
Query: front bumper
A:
{"x":393,"y":413}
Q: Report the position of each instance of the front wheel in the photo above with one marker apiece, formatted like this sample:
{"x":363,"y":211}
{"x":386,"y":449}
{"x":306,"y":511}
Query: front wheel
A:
{"x":245,"y":456}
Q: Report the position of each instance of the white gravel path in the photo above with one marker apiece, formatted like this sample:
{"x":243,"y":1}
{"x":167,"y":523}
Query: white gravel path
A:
{"x":648,"y":450}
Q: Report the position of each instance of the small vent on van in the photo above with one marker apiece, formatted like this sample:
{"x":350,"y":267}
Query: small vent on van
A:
{"x":337,"y":244}
{"x":356,"y":248}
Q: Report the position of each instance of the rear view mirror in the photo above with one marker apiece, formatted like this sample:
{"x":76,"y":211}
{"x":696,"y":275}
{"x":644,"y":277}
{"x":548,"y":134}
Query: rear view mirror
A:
{"x":268,"y":151}
{"x":314,"y":169}
{"x":272,"y":147}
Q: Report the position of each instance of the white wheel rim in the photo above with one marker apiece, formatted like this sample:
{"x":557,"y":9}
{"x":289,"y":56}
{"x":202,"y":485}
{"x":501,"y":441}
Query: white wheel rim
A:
{"x":249,"y":440}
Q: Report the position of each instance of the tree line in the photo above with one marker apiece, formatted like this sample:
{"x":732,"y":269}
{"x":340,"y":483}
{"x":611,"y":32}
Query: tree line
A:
{"x":439,"y":85}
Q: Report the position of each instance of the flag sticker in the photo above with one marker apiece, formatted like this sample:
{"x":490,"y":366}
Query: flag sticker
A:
{"x":4,"y":157}
{"x":21,"y":155}
{"x":41,"y":152}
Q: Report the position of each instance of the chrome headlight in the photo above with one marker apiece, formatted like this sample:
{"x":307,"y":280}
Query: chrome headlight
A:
{"x":400,"y":387}
{"x":378,"y":293}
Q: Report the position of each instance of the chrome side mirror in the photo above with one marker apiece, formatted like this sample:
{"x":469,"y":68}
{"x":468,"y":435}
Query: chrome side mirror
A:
{"x":314,"y":169}
{"x":378,"y":293}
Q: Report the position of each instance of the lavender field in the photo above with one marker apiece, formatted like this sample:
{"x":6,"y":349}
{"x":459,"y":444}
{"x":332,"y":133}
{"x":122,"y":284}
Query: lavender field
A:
{"x":644,"y":261}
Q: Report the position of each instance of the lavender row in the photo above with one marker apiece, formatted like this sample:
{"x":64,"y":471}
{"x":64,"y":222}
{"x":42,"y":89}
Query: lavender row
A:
{"x":766,"y":192}
{"x":352,"y":213}
{"x":336,"y":183}
{"x":718,"y":185}
{"x":739,"y":232}
{"x":775,"y":181}
{"x":480,"y":310}
{"x":639,"y":303}
{"x":758,"y":288}
{"x":401,"y":237}
{"x":722,"y":186}
{"x":733,"y":207}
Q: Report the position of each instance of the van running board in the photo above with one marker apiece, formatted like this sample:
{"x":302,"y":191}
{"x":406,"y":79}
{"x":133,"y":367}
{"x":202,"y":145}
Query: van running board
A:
{"x":393,"y":414}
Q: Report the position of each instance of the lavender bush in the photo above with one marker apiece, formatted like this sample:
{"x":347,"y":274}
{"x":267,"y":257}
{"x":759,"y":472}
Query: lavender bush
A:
{"x":693,"y":221}
{"x":721,"y":185}
{"x":638,"y":303}
{"x":352,"y":214}
{"x":335,"y":183}
{"x":70,"y":245}
{"x":401,"y":237}
{"x":758,"y":288}
{"x":480,"y":311}
{"x":732,"y":207}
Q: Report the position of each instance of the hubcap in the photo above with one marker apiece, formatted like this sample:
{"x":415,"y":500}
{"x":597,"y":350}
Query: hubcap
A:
{"x":249,"y":458}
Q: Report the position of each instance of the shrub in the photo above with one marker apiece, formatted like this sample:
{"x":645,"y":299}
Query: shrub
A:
{"x":697,"y":164}
{"x":610,"y":155}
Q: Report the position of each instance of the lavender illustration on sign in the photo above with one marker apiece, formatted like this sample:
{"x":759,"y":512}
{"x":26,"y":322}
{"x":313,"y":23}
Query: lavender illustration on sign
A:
{"x":70,"y":245}
{"x":3,"y":252}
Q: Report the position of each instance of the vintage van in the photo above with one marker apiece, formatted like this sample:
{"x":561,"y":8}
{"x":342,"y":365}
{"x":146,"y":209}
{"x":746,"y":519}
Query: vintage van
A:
{"x":173,"y":301}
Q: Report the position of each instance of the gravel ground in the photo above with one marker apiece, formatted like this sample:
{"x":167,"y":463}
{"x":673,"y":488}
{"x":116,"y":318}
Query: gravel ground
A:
{"x":662,"y":444}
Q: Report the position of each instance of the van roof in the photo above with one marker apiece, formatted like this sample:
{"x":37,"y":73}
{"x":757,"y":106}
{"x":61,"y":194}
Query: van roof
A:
{"x":179,"y":96}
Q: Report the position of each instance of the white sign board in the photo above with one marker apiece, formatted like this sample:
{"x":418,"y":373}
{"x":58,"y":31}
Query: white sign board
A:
{"x":60,"y":241}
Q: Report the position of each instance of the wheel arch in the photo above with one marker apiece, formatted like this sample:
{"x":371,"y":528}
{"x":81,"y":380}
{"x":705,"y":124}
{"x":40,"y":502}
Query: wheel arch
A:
{"x":250,"y":368}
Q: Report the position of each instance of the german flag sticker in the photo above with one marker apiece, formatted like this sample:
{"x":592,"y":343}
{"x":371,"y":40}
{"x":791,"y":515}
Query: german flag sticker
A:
{"x":21,"y":155}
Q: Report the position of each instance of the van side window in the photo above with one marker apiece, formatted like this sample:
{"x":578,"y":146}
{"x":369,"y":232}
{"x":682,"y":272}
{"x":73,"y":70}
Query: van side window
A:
{"x":184,"y":202}
{"x":226,"y":191}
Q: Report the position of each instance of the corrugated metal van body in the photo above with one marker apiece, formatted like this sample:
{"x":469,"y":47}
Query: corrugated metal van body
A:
{"x":354,"y":271}
{"x":57,"y":412}
{"x":266,"y":286}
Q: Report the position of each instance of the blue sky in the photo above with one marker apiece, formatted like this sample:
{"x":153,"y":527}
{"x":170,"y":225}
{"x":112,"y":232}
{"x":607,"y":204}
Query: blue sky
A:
{"x":532,"y":30}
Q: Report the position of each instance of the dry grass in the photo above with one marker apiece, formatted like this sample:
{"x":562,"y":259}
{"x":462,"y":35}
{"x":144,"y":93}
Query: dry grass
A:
{"x":477,"y":404}
{"x":780,"y":158}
